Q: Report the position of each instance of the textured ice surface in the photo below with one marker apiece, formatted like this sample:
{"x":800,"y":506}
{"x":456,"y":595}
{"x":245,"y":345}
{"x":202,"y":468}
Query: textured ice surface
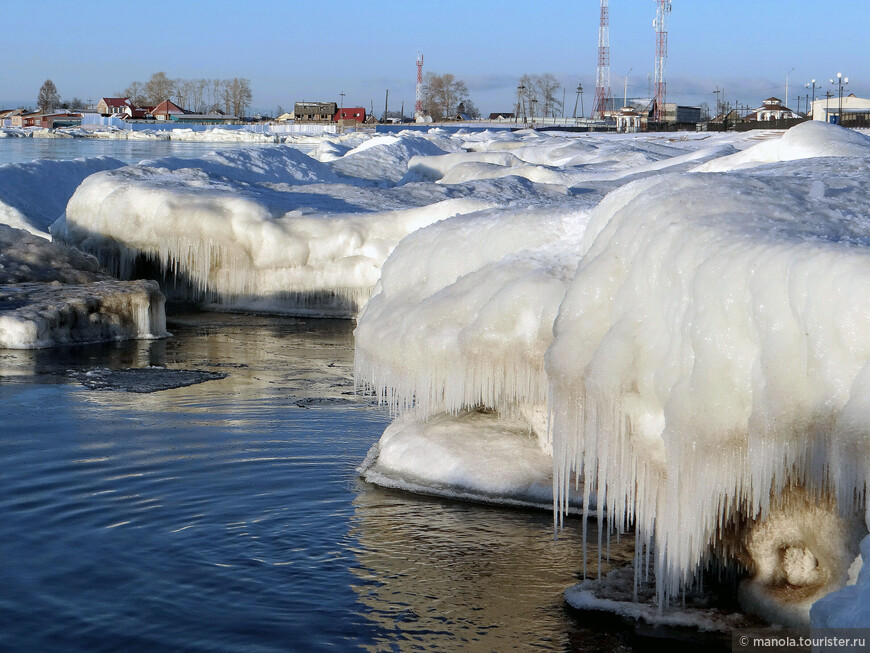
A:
{"x":51,"y":294}
{"x":33,"y":195}
{"x":143,"y":379}
{"x":711,"y":349}
{"x":714,"y":348}
{"x":244,"y":229}
{"x":475,"y":456}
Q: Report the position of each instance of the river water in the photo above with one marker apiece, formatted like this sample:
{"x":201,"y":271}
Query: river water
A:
{"x":228,"y":515}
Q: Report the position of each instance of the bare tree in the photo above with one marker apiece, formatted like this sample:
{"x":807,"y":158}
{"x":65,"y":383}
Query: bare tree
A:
{"x":240,"y":94}
{"x":548,"y":86}
{"x":48,"y":97}
{"x":159,"y":88}
{"x":442,"y":95}
{"x":135,"y":92}
{"x":540,"y":90}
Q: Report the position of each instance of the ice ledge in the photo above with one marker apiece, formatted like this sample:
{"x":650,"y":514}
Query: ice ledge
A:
{"x":35,"y":315}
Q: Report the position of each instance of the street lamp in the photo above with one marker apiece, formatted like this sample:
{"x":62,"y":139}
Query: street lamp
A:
{"x":786,"y":84}
{"x":625,"y":90}
{"x":813,"y":86}
{"x":841,"y":82}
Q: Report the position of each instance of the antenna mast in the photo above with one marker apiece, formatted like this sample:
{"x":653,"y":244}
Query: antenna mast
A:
{"x":602,"y":79}
{"x":661,"y":27}
{"x":418,"y":106}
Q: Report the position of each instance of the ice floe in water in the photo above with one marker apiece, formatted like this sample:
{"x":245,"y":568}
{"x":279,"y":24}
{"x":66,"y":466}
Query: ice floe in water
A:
{"x":143,"y":379}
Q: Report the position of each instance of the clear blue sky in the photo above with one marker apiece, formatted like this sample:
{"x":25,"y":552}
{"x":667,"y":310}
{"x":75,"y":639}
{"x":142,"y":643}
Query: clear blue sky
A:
{"x":301,"y":50}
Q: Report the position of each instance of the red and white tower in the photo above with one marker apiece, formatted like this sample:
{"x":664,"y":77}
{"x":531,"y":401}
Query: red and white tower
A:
{"x":602,"y":78}
{"x":661,"y":28}
{"x":418,"y":106}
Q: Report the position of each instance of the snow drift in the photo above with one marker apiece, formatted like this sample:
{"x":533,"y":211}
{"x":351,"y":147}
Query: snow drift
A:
{"x":33,"y":195}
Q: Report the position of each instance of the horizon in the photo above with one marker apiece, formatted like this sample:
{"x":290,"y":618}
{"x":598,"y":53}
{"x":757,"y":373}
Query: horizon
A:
{"x":488,"y":48}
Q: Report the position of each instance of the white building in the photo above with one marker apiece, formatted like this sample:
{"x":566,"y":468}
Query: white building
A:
{"x":772,"y":109}
{"x":828,"y":108}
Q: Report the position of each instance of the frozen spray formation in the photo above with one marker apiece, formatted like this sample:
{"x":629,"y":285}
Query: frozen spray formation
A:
{"x":272,"y":229}
{"x":712,"y":351}
{"x":708,"y":367}
{"x":681,"y":321}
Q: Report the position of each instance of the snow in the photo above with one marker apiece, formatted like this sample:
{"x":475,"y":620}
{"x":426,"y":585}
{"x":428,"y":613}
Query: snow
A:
{"x":475,"y":456}
{"x":709,"y":349}
{"x":33,"y":195}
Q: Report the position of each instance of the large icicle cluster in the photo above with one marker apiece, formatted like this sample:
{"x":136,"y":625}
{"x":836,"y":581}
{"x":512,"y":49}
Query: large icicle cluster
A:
{"x":713,"y":350}
{"x":708,"y":369}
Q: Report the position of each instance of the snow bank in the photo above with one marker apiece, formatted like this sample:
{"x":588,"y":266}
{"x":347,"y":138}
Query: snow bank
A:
{"x":804,"y":141}
{"x":33,"y":195}
{"x":241,"y":228}
{"x":384,"y":159}
{"x":51,"y":295}
{"x":464,"y":309}
{"x":714,"y":349}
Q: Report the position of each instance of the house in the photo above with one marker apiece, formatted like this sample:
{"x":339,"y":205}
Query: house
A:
{"x":136,"y":113}
{"x":109,"y":106}
{"x":315,"y":111}
{"x":772,"y":109}
{"x":350,"y":114}
{"x":59,"y":118}
{"x":629,"y":121}
{"x":21,"y":118}
{"x":504,"y":116}
{"x":167,"y":110}
{"x":211,"y":118}
{"x":855,"y":112}
{"x":284,"y":117}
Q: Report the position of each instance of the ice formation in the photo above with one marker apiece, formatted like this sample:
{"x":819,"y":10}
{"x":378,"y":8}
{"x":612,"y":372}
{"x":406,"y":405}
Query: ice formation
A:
{"x":713,"y":351}
{"x":706,"y":361}
{"x":51,"y":294}
{"x":679,"y":321}
{"x":33,"y":195}
{"x":266,"y":228}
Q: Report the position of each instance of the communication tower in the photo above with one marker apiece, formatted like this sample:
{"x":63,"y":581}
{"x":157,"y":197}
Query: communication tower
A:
{"x":602,"y":78}
{"x":418,"y":106}
{"x":661,"y":27}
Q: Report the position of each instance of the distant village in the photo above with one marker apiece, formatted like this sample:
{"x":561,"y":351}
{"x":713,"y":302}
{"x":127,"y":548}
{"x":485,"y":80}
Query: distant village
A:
{"x":634,"y":115}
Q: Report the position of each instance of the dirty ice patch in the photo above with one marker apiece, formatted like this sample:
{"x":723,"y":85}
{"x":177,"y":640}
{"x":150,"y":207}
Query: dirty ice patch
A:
{"x":143,"y":380}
